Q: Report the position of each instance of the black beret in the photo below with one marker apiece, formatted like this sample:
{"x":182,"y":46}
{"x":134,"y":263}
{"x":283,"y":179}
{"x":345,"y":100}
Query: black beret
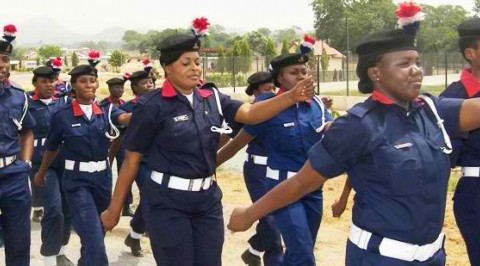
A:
{"x":375,"y":45}
{"x":172,"y":47}
{"x":83,"y":70}
{"x":115,"y":81}
{"x":469,"y":28}
{"x":44,"y":72}
{"x":285,"y":60}
{"x":138,"y":75}
{"x":256,"y":79}
{"x":5,"y":47}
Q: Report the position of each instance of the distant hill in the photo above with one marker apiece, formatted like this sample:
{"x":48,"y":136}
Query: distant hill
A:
{"x":38,"y":31}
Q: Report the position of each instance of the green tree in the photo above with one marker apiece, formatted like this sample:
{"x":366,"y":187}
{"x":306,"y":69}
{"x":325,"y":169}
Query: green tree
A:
{"x":286,"y":34}
{"x":246,"y":55}
{"x":476,"y":8}
{"x":257,"y":41}
{"x":221,"y":64}
{"x":270,"y":51}
{"x":65,"y":60}
{"x":117,"y":59}
{"x":362,"y":18}
{"x":284,"y":47}
{"x":438,"y":32}
{"x":74,"y":59}
{"x":19,"y":53}
{"x":45,"y":52}
{"x":132,"y":39}
{"x":324,"y":62}
{"x":265,"y":31}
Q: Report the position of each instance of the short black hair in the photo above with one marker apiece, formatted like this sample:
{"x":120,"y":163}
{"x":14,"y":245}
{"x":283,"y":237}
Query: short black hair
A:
{"x":468,"y":42}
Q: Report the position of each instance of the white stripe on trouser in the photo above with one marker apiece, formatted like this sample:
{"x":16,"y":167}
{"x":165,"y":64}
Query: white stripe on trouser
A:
{"x":39,"y":142}
{"x":471,"y":171}
{"x":396,"y":249}
{"x":50,"y":260}
{"x":257,"y":159}
{"x":135,"y":235}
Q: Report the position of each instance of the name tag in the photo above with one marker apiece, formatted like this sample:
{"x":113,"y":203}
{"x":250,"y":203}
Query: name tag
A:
{"x":403,"y":146}
{"x":291,"y":124}
{"x":180,"y":118}
{"x":76,"y":125}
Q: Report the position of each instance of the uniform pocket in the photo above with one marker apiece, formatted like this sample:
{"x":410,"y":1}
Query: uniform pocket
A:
{"x":401,"y":166}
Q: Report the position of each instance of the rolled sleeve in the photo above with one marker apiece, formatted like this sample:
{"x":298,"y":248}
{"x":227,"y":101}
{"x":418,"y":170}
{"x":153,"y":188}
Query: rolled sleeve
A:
{"x":343,"y":146}
{"x":229,"y":107}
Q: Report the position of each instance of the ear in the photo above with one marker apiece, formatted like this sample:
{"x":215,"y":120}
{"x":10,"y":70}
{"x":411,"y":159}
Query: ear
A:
{"x":167,"y":68}
{"x":373,"y":74}
{"x":469,"y":54}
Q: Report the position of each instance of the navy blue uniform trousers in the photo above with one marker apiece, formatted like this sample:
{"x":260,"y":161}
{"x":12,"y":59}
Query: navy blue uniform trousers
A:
{"x":267,"y":238}
{"x":15,"y":203}
{"x":56,"y":222}
{"x":466,"y":207}
{"x":185,"y":227}
{"x":138,"y":222}
{"x":298,"y":224}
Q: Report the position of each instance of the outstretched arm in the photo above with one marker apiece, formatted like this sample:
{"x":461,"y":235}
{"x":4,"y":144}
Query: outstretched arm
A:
{"x":290,"y":190}
{"x":233,"y":146}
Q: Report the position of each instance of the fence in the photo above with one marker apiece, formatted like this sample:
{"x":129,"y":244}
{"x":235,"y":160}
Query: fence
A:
{"x":234,"y":71}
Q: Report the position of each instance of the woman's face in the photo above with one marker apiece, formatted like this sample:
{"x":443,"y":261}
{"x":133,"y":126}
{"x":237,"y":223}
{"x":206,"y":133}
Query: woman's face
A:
{"x":399,"y":74}
{"x":116,"y":91}
{"x":264,"y":88}
{"x":44,"y":87}
{"x":4,"y":67}
{"x":186,"y":71}
{"x":289,"y":76}
{"x":143,"y":86}
{"x":85,"y":87}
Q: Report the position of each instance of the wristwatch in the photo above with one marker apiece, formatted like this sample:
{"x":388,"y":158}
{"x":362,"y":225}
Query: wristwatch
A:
{"x":29,"y":163}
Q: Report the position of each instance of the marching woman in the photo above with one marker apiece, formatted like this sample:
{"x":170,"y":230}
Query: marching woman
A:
{"x":177,"y":129}
{"x":395,"y":149}
{"x":56,"y":222}
{"x":266,"y":241}
{"x":83,"y":130}
{"x":287,"y":138}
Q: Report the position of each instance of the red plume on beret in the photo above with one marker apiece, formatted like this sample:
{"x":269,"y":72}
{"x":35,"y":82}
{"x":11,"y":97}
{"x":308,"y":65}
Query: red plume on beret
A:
{"x":126,"y":76}
{"x":57,"y":63}
{"x":200,"y":26}
{"x":307,"y":45}
{"x":9,"y":32}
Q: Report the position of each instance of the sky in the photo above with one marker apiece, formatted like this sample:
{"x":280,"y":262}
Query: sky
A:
{"x":91,"y":16}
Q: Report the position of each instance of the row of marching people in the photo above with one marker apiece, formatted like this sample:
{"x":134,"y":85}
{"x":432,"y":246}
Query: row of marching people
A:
{"x":395,"y":148}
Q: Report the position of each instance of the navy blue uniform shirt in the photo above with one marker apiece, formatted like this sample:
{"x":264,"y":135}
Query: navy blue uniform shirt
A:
{"x":43,"y":113}
{"x":393,"y":158}
{"x":12,"y":106}
{"x":83,"y":139}
{"x":288,"y":136}
{"x":175,"y":137}
{"x":466,"y":150}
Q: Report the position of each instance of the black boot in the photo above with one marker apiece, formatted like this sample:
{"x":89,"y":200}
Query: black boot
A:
{"x":37,"y":215}
{"x":134,"y":245}
{"x":250,"y":259}
{"x":127,"y":211}
{"x":62,"y":260}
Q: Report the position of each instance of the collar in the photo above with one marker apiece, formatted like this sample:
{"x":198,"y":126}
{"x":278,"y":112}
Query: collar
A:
{"x":381,"y":98}
{"x":109,"y":99}
{"x":168,"y":91}
{"x":77,"y":111}
{"x":471,"y":84}
{"x":36,"y":98}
